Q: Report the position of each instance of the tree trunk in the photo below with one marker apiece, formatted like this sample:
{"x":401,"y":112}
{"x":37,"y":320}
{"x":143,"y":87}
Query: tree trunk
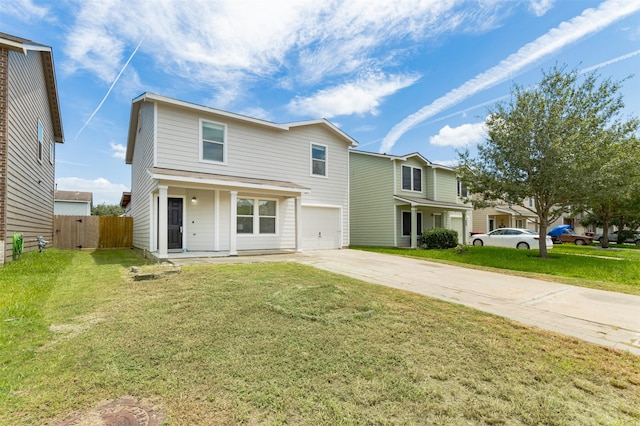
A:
{"x":542,"y":242}
{"x":605,"y":234}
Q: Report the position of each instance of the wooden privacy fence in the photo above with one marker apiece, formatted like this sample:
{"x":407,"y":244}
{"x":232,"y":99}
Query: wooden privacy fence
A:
{"x":78,"y":232}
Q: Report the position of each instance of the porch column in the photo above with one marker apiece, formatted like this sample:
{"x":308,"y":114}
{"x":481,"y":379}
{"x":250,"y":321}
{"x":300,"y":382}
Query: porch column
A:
{"x":414,"y":227}
{"x":298,"y":224}
{"x":463,"y":240}
{"x":233,"y":223}
{"x":163,"y":222}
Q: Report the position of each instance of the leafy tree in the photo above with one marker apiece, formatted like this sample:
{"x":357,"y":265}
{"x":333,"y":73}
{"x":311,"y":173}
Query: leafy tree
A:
{"x":542,"y":144}
{"x":107,"y":210}
{"x":612,"y":197}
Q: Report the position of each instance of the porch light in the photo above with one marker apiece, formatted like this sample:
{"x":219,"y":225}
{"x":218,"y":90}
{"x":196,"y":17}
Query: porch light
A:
{"x":194,"y":199}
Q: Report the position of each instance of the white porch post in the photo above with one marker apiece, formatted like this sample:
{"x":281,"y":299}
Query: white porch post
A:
{"x":163,"y":222}
{"x":463,"y":238}
{"x":414,"y":227}
{"x":233,"y":223}
{"x":298,"y":224}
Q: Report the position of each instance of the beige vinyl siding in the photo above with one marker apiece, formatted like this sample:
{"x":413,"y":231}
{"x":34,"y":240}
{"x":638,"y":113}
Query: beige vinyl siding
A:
{"x":141,"y":183}
{"x":372,"y":205}
{"x":259,"y":152}
{"x":30,"y":183}
{"x":446,"y":186}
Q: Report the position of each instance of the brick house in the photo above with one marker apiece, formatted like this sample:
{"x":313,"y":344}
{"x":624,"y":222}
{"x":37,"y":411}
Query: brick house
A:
{"x":30,"y":126}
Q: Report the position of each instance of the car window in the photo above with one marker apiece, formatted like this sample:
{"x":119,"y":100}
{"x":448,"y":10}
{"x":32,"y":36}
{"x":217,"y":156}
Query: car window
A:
{"x":497,"y":232}
{"x":529,"y":231}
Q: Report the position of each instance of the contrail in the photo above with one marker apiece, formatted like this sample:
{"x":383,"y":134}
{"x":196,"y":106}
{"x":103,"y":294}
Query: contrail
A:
{"x":591,"y":20}
{"x":110,"y":88}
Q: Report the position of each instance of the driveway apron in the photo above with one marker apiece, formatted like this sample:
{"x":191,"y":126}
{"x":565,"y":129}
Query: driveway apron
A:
{"x":602,"y":317}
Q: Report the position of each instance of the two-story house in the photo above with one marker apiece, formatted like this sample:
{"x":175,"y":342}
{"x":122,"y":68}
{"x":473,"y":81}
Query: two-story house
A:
{"x":210,"y":181}
{"x":395,"y":198}
{"x":30,"y":126}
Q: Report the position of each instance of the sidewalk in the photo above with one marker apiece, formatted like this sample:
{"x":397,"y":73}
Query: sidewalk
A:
{"x":602,"y":317}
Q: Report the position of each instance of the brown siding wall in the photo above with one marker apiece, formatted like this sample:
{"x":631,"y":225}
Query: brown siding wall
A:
{"x":4,"y":73}
{"x":30,"y":182}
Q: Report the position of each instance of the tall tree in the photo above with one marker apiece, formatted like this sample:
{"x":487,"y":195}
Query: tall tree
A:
{"x":541,"y":144}
{"x":107,"y":210}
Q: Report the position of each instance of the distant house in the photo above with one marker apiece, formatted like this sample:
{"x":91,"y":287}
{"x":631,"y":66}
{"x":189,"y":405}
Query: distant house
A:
{"x":125,"y":203}
{"x":72,"y":203}
{"x":206,"y":180}
{"x":395,"y":198}
{"x":30,"y":126}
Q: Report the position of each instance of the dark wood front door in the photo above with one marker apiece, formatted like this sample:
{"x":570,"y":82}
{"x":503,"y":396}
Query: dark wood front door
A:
{"x":175,"y":223}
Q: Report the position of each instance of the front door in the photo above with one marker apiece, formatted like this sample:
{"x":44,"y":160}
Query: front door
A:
{"x":175,"y":223}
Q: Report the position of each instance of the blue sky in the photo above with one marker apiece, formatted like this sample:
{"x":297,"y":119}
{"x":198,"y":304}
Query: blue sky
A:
{"x":399,"y":76}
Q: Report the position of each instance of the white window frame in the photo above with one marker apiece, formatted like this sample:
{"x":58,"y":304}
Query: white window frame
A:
{"x":326,"y":160}
{"x":201,"y":142}
{"x":256,"y":217}
{"x":412,"y":187}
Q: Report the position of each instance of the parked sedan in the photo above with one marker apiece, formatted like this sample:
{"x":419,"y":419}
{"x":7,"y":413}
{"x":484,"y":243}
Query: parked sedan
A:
{"x":613,"y":238}
{"x":510,"y":237}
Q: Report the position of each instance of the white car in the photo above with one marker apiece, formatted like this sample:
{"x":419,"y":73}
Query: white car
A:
{"x":510,"y":237}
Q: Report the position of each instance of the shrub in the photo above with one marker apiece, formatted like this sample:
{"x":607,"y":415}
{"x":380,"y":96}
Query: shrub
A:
{"x":625,"y":234}
{"x":439,"y":238}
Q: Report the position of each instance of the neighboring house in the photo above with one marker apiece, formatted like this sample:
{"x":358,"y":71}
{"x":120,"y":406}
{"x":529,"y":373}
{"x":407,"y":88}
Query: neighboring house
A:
{"x":207,"y":180}
{"x":30,"y":125}
{"x":125,"y":203}
{"x":503,"y":216}
{"x":72,"y":203}
{"x":395,"y":198}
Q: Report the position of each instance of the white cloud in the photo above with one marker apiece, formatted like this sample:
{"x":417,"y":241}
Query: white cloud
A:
{"x":360,"y":97}
{"x":299,"y":41}
{"x":590,"y":21}
{"x":447,"y":163}
{"x":540,"y":7}
{"x":103,"y":190}
{"x":25,"y":10}
{"x":461,"y":136}
{"x":118,"y":150}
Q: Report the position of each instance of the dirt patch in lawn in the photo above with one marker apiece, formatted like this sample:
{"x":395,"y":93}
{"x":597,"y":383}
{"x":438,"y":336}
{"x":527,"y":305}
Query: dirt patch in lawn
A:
{"x":122,"y":412}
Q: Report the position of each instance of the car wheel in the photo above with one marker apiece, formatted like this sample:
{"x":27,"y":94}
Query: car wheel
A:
{"x":580,"y":242}
{"x":477,"y":243}
{"x":600,"y":240}
{"x":522,"y":245}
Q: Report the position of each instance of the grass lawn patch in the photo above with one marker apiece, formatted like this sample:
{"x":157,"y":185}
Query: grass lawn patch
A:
{"x":585,"y":266}
{"x":284,"y":343}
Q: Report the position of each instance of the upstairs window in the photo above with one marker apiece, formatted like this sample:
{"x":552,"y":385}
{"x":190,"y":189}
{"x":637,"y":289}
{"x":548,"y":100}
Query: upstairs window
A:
{"x":412,"y":178}
{"x":213,"y":141}
{"x":462,"y":189}
{"x":318,"y":160}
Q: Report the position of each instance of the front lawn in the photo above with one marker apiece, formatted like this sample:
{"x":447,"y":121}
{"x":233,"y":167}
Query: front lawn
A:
{"x":586,"y":266}
{"x":283,"y":343}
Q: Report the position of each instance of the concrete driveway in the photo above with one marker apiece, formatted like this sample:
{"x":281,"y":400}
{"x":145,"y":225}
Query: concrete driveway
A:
{"x":602,"y":317}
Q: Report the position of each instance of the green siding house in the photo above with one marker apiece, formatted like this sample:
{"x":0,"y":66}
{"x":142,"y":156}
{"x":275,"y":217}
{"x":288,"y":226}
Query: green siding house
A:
{"x":393,"y":199}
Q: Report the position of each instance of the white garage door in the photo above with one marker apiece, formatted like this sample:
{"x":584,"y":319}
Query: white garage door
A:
{"x":456,"y":225}
{"x":321,"y":228}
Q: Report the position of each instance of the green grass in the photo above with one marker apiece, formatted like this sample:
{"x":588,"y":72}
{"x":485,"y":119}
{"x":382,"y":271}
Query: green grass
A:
{"x":276,"y":343}
{"x":586,"y":266}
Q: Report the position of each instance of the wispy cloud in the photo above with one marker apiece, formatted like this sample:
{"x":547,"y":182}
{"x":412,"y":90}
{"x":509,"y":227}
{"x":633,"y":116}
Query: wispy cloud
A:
{"x":540,"y":7}
{"x":590,"y":21}
{"x":461,"y":136}
{"x":330,"y":43}
{"x":25,"y":10}
{"x":360,"y":97}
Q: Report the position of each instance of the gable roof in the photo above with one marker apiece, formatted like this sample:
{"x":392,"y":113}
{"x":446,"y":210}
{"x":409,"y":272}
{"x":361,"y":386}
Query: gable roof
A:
{"x":75,"y":196}
{"x":405,"y":158}
{"x":152,"y":97}
{"x":23,"y":46}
